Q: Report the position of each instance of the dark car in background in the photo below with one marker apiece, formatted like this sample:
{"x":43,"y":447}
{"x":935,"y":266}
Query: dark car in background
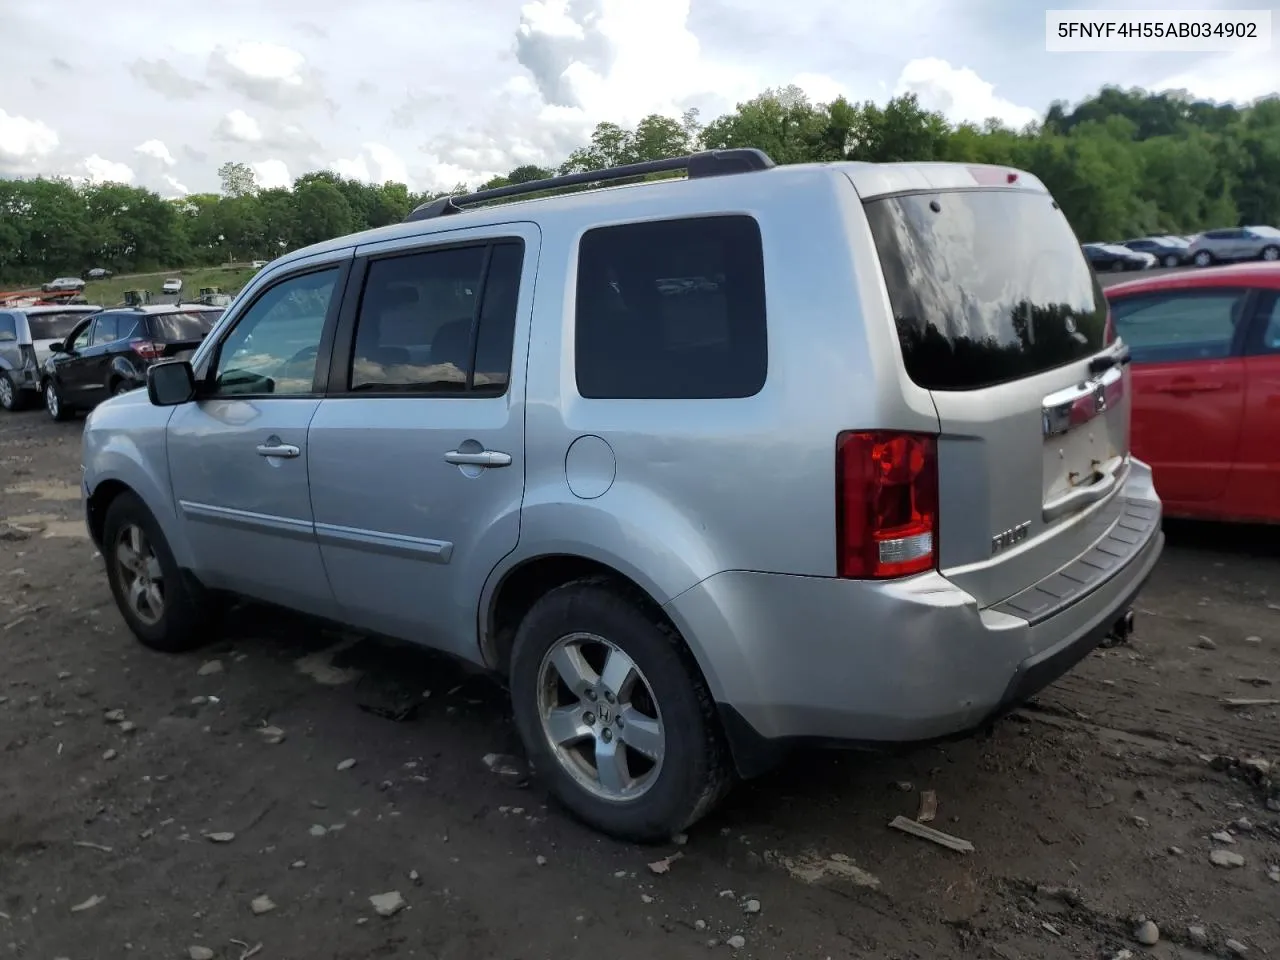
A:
{"x":26,"y":335}
{"x":109,"y":353}
{"x":1113,"y":256}
{"x":1168,"y":251}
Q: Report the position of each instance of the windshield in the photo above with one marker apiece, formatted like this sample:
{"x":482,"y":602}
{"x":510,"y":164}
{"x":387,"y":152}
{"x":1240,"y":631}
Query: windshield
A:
{"x":178,"y":327}
{"x":53,"y":326}
{"x":986,"y":286}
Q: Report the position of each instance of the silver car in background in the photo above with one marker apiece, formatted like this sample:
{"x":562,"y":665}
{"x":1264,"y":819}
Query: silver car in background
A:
{"x":705,"y":467}
{"x":1235,"y":243}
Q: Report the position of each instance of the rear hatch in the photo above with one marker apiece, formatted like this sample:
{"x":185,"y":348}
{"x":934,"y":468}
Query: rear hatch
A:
{"x":1001,"y":319}
{"x":175,"y":336}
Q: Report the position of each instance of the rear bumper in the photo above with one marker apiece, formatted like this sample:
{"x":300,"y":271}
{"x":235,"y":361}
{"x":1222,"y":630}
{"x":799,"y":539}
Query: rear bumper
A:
{"x":792,"y":659}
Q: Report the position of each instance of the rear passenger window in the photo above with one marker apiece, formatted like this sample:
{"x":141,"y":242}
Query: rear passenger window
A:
{"x":672,"y":309}
{"x":1178,"y":326}
{"x":105,"y":330}
{"x":8,"y":328}
{"x":439,"y":321}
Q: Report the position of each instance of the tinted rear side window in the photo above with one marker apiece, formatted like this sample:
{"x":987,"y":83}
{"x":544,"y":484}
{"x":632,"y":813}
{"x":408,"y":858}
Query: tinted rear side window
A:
{"x":180,"y":327}
{"x":986,"y":286}
{"x":672,"y":309}
{"x":53,"y":326}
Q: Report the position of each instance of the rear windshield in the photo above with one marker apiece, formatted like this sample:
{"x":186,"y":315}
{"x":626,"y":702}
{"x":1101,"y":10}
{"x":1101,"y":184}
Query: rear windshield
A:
{"x":986,"y":286}
{"x":53,"y":326}
{"x":178,"y":327}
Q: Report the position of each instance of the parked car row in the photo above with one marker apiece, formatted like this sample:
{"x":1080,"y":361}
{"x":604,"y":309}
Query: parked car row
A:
{"x":78,"y":356}
{"x":1213,"y":246}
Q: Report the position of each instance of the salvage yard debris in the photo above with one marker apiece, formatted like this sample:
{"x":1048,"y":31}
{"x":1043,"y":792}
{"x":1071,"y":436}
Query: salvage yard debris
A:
{"x":928,"y":833}
{"x":664,"y":865}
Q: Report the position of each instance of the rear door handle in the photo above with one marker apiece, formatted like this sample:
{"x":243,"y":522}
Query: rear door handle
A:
{"x":286,"y":451}
{"x":484,"y":458}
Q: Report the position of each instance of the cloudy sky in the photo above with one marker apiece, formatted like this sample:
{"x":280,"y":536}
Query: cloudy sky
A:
{"x":434,"y":92}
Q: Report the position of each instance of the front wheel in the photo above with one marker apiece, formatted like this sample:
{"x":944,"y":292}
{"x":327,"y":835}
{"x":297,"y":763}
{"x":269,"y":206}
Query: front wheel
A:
{"x":1203,"y":258}
{"x":53,"y":402}
{"x":1118,"y":266}
{"x":165,"y":611}
{"x":615,"y":715}
{"x":1171,"y":261}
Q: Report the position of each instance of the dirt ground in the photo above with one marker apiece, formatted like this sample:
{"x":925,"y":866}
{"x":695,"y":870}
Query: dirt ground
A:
{"x":1090,"y":809}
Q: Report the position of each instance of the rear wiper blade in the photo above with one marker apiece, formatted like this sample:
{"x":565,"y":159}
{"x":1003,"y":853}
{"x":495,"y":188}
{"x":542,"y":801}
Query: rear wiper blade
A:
{"x":1109,"y":360}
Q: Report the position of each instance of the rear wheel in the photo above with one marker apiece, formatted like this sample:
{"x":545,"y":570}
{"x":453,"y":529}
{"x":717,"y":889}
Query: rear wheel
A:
{"x":1171,"y":260}
{"x":163,"y":608}
{"x":120,"y":387}
{"x":1271,"y":254}
{"x":614,"y":714}
{"x":53,"y":402}
{"x":1118,"y":266}
{"x":11,"y":397}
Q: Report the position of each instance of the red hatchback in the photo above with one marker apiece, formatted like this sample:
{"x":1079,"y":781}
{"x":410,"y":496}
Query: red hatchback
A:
{"x":1206,"y":380}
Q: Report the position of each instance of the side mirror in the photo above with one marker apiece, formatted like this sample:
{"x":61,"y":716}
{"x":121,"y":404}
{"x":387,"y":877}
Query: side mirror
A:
{"x":171,"y":384}
{"x":58,"y":347}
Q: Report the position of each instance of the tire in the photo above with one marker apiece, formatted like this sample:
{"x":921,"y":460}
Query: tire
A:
{"x":53,"y":402}
{"x":11,"y":395}
{"x":186,"y":616}
{"x":1270,"y":254}
{"x":1203,"y":259}
{"x":694,"y":771}
{"x":120,"y":387}
{"x":1171,"y":261}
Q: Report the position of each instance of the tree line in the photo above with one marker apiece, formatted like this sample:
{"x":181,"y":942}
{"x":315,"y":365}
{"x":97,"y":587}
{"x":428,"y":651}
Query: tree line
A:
{"x":1121,"y":164}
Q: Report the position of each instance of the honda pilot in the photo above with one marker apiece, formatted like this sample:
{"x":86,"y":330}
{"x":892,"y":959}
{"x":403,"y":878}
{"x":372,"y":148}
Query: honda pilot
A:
{"x":705,"y":467}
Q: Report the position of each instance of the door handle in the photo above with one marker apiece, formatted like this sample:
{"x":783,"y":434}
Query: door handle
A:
{"x":483,"y":458}
{"x":286,"y":451}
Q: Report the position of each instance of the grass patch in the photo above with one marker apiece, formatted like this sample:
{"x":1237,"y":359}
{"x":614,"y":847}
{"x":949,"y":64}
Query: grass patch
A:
{"x":110,"y":292}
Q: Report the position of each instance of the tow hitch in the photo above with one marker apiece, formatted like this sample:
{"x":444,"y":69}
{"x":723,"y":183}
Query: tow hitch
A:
{"x":1120,"y":631}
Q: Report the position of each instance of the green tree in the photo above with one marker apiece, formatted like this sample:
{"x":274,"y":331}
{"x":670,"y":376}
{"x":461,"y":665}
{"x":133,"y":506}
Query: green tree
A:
{"x":237,"y":179}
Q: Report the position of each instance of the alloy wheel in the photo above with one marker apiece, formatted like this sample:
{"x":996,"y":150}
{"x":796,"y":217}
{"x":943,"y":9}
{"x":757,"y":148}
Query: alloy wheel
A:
{"x":6,"y":393}
{"x":51,"y":400}
{"x":600,"y":717}
{"x":140,"y":575}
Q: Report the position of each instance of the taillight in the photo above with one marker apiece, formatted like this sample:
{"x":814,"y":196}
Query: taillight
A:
{"x":1109,"y":331}
{"x":28,"y":354}
{"x":886,"y":504}
{"x":147,"y":349}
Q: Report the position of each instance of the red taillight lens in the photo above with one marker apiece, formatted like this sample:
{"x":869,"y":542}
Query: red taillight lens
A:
{"x":146,"y":349}
{"x":1109,"y":331}
{"x":886,"y":504}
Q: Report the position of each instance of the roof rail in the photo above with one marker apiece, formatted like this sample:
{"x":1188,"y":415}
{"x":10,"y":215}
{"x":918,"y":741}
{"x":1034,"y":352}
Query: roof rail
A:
{"x":709,"y":163}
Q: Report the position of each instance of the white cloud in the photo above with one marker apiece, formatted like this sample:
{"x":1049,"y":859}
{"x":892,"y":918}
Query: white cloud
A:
{"x":267,"y":72}
{"x":270,"y":174}
{"x":239,"y":127}
{"x":156,"y":150}
{"x":175,"y":187}
{"x":100,"y":170}
{"x":1229,"y":77}
{"x":24,"y":141}
{"x":376,"y":163}
{"x":959,"y":94}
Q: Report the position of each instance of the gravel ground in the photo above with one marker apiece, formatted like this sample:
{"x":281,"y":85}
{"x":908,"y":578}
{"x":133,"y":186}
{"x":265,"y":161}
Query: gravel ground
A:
{"x":151,"y":805}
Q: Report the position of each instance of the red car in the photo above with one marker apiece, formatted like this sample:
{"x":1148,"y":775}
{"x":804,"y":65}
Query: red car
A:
{"x":1206,"y":382}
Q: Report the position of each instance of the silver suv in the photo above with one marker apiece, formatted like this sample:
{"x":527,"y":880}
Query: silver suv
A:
{"x":1236,"y":243}
{"x":705,"y":467}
